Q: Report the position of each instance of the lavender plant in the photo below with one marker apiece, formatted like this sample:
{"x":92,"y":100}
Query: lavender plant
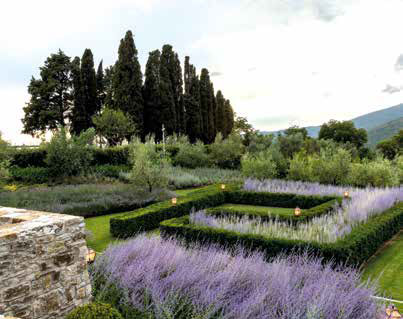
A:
{"x":161,"y":279}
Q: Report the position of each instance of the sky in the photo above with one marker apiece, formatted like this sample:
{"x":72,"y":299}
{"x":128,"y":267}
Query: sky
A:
{"x":280,"y":62}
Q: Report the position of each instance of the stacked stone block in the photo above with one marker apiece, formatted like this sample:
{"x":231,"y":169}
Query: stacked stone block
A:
{"x":43,"y":269}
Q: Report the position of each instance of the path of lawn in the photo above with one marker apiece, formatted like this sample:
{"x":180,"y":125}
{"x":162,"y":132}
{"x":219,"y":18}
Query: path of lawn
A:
{"x":99,"y":226}
{"x":388,"y":264}
{"x":259,"y":210}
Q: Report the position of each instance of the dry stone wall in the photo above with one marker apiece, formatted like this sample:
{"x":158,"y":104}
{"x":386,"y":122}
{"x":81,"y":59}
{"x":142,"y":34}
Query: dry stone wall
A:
{"x":43,"y":269}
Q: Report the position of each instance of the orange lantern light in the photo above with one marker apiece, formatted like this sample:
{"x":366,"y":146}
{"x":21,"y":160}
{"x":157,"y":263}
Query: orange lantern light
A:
{"x":174,"y":201}
{"x":91,"y":254}
{"x":297,"y":211}
{"x":392,"y":313}
{"x":222,"y":186}
{"x":346,"y":195}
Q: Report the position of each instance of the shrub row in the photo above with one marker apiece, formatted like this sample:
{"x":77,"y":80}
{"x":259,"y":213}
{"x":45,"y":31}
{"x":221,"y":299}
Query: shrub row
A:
{"x":253,"y":212}
{"x":102,"y":156}
{"x":354,"y":249}
{"x":150,"y":217}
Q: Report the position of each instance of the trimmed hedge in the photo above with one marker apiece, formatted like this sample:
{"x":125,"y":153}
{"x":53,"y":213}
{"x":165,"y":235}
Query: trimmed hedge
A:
{"x":353,"y":250}
{"x":30,"y":175}
{"x":253,"y":212}
{"x":118,"y":155}
{"x":150,"y":217}
{"x":29,"y":157}
{"x":112,"y":171}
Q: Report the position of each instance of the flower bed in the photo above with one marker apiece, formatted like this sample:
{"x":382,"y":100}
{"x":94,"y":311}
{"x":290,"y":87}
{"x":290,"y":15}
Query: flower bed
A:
{"x":156,"y":278}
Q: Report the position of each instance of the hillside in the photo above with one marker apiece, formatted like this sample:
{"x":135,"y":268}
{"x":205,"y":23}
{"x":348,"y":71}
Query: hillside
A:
{"x":384,"y":131}
{"x":368,"y":121}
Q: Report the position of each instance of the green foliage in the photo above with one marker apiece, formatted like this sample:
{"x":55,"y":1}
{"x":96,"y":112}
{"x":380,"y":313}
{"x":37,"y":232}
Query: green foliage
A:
{"x":259,"y":166}
{"x":95,"y":311}
{"x":343,"y":132}
{"x":378,"y":173}
{"x":30,"y":174}
{"x":290,"y":144}
{"x":51,"y":97}
{"x":29,"y":157}
{"x":295,"y":130}
{"x":330,"y":166}
{"x":114,"y":126}
{"x":111,"y":171}
{"x":392,"y":147}
{"x":353,"y":250}
{"x":399,"y":167}
{"x":118,"y":155}
{"x":226,"y":153}
{"x":127,"y":83}
{"x":192,"y":156}
{"x":149,"y":218}
{"x":150,"y":168}
{"x":69,"y":156}
{"x":259,"y":142}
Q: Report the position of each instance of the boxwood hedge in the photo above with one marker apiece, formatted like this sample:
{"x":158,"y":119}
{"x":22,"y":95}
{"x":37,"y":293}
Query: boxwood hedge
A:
{"x":353,"y":250}
{"x":150,"y":217}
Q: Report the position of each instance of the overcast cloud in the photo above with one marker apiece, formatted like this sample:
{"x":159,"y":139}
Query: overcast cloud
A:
{"x":278,"y":61}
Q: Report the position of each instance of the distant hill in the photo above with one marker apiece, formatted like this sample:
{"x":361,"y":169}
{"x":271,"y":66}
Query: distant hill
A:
{"x":384,"y":131}
{"x":368,"y":121}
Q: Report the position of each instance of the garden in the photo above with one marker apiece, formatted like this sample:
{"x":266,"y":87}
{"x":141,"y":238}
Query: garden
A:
{"x":233,"y":229}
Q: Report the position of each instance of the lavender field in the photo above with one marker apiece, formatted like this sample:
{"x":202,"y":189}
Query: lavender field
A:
{"x":162,"y":279}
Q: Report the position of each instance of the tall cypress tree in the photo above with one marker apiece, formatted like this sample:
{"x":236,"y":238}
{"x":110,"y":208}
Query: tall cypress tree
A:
{"x":212,"y":114}
{"x":89,"y":87}
{"x":151,"y":95}
{"x":177,"y":87}
{"x":108,"y":78}
{"x":206,"y":106}
{"x":101,"y":90}
{"x":221,"y":114}
{"x":127,"y":82}
{"x":78,"y":117}
{"x":168,"y":97}
{"x":229,"y":115}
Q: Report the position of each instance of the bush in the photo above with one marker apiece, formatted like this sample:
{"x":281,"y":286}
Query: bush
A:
{"x":150,"y":169}
{"x":69,"y":156}
{"x":191,"y":156}
{"x":226,"y":153}
{"x":377,"y":173}
{"x":353,"y":249}
{"x":30,"y":175}
{"x":112,"y":171}
{"x":118,"y":155}
{"x":29,"y":157}
{"x":260,"y":166}
{"x":95,"y":311}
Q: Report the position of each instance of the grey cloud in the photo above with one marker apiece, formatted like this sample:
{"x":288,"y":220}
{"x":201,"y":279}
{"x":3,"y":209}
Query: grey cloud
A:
{"x":391,"y":89}
{"x":399,"y":63}
{"x":216,"y":74}
{"x":326,"y":10}
{"x":276,"y":120}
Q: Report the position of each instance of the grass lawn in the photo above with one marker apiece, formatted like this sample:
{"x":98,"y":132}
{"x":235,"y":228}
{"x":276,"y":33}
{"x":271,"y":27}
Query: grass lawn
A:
{"x":387,"y":265}
{"x":99,"y":226}
{"x":260,"y":210}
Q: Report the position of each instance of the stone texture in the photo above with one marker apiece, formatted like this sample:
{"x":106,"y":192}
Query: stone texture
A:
{"x":43,"y":271}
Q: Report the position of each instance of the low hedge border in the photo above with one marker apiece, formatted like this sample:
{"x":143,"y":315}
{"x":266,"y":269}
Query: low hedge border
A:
{"x":251,"y":212}
{"x":150,"y":217}
{"x":352,"y":250}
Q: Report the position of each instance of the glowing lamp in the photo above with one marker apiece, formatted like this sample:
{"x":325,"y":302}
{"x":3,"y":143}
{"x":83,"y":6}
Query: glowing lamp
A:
{"x":297,"y":211}
{"x":91,"y":254}
{"x":174,"y":201}
{"x":392,"y":313}
{"x":346,"y":195}
{"x":222,"y":186}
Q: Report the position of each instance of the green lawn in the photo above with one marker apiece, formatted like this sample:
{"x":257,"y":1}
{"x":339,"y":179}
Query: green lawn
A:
{"x":99,"y":226}
{"x":387,"y":265}
{"x":258,"y":210}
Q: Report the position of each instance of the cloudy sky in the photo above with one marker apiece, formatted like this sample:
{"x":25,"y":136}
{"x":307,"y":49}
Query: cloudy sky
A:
{"x":280,"y":62}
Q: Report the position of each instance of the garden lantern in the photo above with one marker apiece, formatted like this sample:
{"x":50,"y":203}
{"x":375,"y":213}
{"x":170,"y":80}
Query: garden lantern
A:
{"x":346,"y":195}
{"x":91,"y":254}
{"x":222,"y":186}
{"x":297,"y":211}
{"x":174,"y":201}
{"x":392,"y":313}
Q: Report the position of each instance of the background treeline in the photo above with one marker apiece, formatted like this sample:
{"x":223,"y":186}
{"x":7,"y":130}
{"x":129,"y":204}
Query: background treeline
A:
{"x":119,"y":104}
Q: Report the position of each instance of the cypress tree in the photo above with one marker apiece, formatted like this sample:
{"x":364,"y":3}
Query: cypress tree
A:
{"x":168,"y":97}
{"x":187,"y":74}
{"x":127,"y":82}
{"x":151,"y":95}
{"x":221,"y":114}
{"x":229,"y":117}
{"x":212,"y":114}
{"x":192,"y":104}
{"x":78,"y":115}
{"x":177,"y":87}
{"x":89,"y":87}
{"x":108,"y":78}
{"x":101,"y":90}
{"x":206,"y":106}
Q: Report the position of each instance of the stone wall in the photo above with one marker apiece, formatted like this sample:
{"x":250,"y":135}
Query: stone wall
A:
{"x":43,"y":269}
